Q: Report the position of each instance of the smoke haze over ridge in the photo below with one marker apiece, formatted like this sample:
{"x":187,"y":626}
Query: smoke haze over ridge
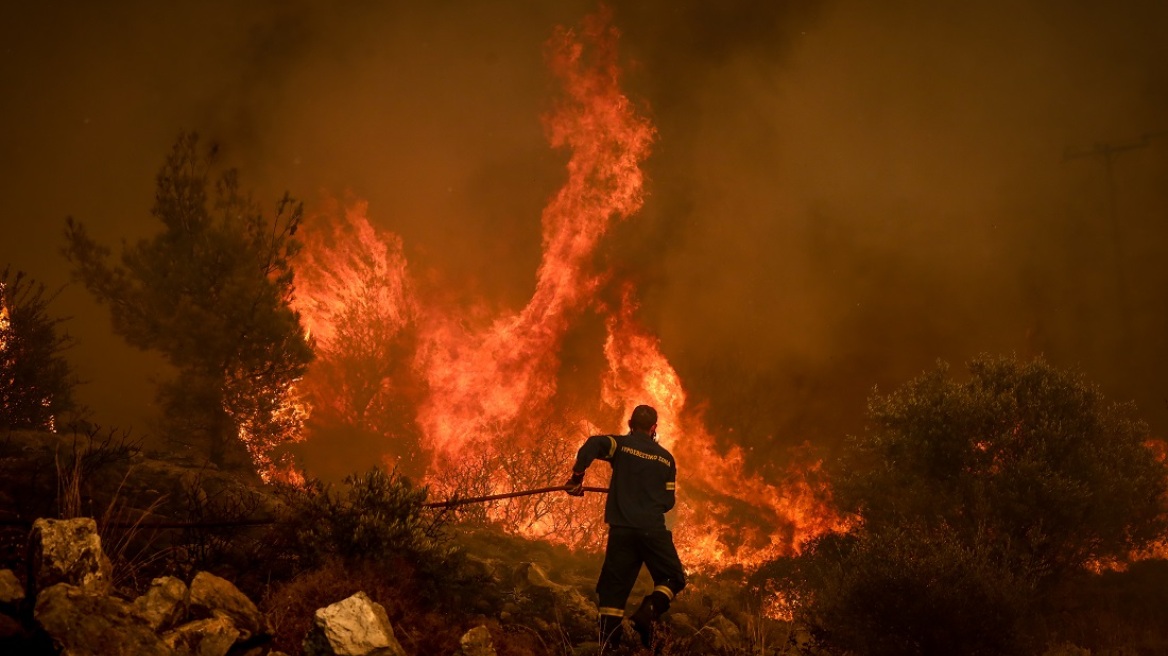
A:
{"x":840,"y":192}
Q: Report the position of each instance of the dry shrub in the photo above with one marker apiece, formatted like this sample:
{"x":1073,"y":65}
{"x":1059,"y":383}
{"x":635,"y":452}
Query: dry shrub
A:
{"x":419,"y":627}
{"x":483,"y":469}
{"x":375,"y":516}
{"x":210,"y":541}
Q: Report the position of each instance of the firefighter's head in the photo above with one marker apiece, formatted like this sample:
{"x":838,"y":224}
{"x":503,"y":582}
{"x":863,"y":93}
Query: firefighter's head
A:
{"x":644,"y":420}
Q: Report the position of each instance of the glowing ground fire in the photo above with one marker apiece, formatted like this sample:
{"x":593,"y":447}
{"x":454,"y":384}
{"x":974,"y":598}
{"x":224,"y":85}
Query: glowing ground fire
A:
{"x":477,"y":385}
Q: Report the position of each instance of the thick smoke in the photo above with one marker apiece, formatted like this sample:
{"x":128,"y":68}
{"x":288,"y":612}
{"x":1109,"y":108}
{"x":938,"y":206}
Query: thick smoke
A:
{"x":840,"y":192}
{"x":840,"y":203}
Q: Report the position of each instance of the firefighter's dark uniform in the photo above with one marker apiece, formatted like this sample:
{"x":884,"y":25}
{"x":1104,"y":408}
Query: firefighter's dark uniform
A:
{"x":642,"y":490}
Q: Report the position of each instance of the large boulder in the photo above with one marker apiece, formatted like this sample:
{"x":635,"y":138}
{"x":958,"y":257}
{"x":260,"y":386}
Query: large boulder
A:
{"x":213,"y":636}
{"x":81,"y":623}
{"x":357,"y":626}
{"x":67,"y":551}
{"x":476,"y":642}
{"x":212,"y":596}
{"x":164,"y":604}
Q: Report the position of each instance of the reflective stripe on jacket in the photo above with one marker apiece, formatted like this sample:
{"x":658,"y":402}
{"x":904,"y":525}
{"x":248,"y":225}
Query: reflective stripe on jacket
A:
{"x":644,"y":478}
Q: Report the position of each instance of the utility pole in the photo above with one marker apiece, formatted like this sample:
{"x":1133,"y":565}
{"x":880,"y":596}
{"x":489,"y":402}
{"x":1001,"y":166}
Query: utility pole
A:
{"x":1107,"y":152}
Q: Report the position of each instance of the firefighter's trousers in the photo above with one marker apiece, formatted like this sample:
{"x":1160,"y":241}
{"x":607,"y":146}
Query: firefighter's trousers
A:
{"x":628,"y":549}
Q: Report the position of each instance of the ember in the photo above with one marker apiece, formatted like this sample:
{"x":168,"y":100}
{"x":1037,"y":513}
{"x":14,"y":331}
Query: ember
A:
{"x":490,"y":386}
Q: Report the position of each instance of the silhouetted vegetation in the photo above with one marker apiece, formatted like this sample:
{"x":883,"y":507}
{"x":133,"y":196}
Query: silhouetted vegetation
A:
{"x":976,"y":501}
{"x":36,"y":381}
{"x":211,"y":293}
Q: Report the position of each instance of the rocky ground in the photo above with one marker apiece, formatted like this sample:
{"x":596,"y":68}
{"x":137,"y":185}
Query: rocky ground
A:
{"x":69,"y":607}
{"x":83,"y":586}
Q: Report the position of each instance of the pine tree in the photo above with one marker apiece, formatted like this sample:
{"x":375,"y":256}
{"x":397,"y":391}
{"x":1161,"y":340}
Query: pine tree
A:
{"x":36,"y":381}
{"x":211,"y":293}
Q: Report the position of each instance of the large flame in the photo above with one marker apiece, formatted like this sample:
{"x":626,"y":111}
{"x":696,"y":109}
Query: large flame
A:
{"x":498,"y":376}
{"x":355,"y":298}
{"x":484,"y":388}
{"x":728,"y":516}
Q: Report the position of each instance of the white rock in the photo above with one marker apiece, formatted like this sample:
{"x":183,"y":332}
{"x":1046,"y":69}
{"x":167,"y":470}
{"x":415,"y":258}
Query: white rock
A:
{"x":357,"y":626}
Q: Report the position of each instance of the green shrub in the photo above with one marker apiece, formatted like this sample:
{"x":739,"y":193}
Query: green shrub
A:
{"x":975,"y":500}
{"x":374,"y":533}
{"x":1022,"y":456}
{"x":375,"y":516}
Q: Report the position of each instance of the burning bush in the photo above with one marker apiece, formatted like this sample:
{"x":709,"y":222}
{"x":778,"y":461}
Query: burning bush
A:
{"x":976,"y":498}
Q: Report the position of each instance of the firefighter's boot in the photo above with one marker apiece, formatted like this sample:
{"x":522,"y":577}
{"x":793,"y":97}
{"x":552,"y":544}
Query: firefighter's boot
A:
{"x":652,"y":608}
{"x":610,"y":632}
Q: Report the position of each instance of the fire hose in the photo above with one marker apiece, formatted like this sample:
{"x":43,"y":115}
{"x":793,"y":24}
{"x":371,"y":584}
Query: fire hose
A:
{"x":450,"y":503}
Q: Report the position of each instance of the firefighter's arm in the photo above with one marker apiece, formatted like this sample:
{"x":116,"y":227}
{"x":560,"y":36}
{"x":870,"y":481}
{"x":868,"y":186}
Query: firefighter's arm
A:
{"x":597,"y":446}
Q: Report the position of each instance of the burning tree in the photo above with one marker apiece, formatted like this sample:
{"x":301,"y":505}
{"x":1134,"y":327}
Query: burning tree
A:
{"x":976,"y":498}
{"x":211,"y":294}
{"x":358,"y":304}
{"x":36,"y":382}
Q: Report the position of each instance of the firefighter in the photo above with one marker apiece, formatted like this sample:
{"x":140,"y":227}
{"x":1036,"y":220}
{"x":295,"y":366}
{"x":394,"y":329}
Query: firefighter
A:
{"x":642,"y":490}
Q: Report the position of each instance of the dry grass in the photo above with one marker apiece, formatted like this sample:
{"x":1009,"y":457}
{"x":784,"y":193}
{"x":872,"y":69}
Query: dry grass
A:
{"x":69,"y":475}
{"x":131,"y":547}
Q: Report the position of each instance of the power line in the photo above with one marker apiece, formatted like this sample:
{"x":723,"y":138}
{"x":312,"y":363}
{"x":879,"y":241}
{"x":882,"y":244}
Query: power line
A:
{"x":1107,"y":152}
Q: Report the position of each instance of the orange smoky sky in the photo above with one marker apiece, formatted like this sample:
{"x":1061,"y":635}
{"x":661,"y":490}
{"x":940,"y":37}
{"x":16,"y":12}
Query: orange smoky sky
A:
{"x":840,"y":193}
